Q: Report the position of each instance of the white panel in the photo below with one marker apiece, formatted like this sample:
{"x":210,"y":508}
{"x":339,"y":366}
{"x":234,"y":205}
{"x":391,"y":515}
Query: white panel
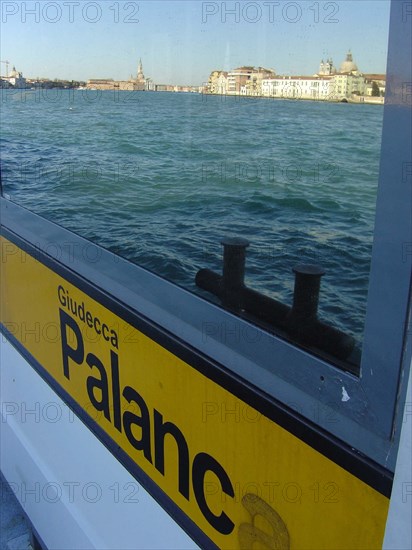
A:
{"x":77,"y":495}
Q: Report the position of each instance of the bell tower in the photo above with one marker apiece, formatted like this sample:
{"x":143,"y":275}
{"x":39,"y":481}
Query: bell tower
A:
{"x":140,"y":75}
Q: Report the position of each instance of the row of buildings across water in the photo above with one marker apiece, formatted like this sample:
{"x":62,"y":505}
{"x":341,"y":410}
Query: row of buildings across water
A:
{"x":16,"y":80}
{"x":139,"y":83}
{"x":328,"y":84}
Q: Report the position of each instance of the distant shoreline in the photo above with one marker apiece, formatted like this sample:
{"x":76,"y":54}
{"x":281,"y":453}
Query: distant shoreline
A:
{"x":354,"y":100}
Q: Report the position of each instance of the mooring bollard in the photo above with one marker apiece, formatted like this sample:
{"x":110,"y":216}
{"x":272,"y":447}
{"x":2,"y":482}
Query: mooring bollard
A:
{"x":233,"y":280}
{"x":300,"y":321}
{"x":306,"y":292}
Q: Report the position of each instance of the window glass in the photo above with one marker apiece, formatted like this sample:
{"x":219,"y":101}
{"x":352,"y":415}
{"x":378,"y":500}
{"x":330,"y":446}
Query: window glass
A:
{"x":156,"y":129}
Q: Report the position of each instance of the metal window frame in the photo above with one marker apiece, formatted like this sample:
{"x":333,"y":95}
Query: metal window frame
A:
{"x":360,"y":411}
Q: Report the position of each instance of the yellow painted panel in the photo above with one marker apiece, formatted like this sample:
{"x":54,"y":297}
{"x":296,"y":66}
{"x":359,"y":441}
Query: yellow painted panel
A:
{"x":244,"y":480}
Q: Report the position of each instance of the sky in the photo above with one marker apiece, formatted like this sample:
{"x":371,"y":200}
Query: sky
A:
{"x":181,"y":42}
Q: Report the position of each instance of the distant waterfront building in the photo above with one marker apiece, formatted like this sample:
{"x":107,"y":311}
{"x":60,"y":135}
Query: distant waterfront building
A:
{"x":248,"y":80}
{"x":101,"y":84}
{"x":253,"y":86}
{"x":244,"y":80}
{"x":298,"y":87}
{"x":14,"y":80}
{"x":379,"y":80}
{"x":349,"y":81}
{"x":212,"y":82}
{"x":217,"y":83}
{"x":222,"y":83}
{"x":326,"y":68}
{"x":150,"y":85}
{"x":140,"y":75}
{"x":238,"y":78}
{"x":177,"y":88}
{"x":327,"y":85}
{"x":162,"y":88}
{"x":348,"y":66}
{"x":138,"y":83}
{"x":347,"y":84}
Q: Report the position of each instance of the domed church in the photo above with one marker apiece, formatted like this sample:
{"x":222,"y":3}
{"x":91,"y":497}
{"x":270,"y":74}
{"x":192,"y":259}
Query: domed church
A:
{"x":348,"y":66}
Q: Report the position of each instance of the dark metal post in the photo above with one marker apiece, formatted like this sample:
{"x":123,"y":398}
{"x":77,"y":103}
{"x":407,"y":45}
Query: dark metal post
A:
{"x":306,"y":292}
{"x":300,"y":321}
{"x":234,"y":258}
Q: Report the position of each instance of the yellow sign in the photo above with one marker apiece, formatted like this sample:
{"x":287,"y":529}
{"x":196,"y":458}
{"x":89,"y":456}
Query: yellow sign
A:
{"x":241,"y":478}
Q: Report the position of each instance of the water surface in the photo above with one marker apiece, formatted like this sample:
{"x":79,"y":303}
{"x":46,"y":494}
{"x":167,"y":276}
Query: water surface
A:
{"x":160,"y":178}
